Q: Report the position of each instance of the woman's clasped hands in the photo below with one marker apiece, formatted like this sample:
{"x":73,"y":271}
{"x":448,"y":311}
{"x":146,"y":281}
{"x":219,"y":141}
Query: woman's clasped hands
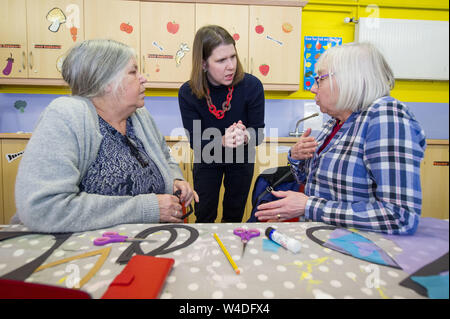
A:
{"x":235,"y":135}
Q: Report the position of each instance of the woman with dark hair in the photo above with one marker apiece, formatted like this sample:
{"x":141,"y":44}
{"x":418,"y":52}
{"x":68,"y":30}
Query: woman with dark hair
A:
{"x":222,"y":109}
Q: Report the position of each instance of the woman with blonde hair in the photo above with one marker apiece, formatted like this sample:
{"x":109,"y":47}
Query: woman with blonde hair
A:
{"x":363,"y":169}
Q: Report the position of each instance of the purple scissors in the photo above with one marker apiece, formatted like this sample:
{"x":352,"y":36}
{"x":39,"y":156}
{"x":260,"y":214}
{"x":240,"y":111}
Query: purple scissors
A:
{"x":114,"y":237}
{"x":245,"y":235}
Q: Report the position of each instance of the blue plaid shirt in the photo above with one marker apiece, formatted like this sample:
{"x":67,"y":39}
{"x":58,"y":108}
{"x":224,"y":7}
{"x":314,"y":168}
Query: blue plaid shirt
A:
{"x":368,"y":176}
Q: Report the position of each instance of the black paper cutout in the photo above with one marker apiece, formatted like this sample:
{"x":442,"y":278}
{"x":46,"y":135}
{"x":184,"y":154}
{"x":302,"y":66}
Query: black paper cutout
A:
{"x":26,"y":270}
{"x":135,"y":247}
{"x":432,"y":269}
{"x":311,"y":230}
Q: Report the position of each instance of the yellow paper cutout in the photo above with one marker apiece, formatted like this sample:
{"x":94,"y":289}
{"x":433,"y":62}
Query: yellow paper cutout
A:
{"x":104,"y":252}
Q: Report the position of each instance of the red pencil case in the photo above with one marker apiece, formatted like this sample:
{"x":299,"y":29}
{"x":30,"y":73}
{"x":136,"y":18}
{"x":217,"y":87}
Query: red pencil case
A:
{"x":142,"y":278}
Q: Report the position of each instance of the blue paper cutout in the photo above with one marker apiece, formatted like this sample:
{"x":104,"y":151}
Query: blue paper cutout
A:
{"x":437,"y":286}
{"x":269,"y":245}
{"x":358,"y":246}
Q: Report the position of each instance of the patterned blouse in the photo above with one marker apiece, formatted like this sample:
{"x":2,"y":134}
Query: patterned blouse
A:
{"x":122,"y":166}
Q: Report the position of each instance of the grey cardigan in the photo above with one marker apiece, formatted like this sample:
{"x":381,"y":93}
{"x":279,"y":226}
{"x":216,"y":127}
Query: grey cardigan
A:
{"x":64,"y":143}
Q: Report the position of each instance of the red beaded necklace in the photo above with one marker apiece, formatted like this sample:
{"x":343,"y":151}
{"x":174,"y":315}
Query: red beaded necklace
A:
{"x":226,"y":106}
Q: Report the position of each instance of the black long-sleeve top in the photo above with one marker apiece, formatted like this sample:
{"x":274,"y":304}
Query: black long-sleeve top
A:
{"x":247,"y":105}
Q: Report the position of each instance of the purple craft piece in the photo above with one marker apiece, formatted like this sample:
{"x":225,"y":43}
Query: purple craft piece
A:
{"x":428,"y":244}
{"x":365,"y":249}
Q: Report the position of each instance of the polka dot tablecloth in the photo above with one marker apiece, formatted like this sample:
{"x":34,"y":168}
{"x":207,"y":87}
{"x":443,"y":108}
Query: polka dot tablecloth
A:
{"x":201,"y":269}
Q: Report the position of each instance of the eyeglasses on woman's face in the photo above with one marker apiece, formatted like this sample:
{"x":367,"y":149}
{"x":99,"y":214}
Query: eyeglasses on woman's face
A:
{"x":319,"y":78}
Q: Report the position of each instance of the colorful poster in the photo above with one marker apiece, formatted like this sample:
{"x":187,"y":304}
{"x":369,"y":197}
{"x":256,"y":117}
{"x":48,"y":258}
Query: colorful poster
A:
{"x":314,"y":47}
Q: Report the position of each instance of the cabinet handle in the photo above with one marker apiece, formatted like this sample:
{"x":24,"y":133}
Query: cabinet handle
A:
{"x":143,"y":64}
{"x":23,"y":60}
{"x":31,"y":60}
{"x":251,"y":65}
{"x":245,"y":65}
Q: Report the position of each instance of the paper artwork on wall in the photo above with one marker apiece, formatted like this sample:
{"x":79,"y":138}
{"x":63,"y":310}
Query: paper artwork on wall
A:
{"x":314,"y":47}
{"x":20,"y":105}
{"x":181,"y":53}
{"x":9,"y":64}
{"x":56,"y":17}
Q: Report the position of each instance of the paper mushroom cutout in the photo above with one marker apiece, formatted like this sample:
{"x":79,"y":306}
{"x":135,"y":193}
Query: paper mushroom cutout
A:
{"x":56,"y":17}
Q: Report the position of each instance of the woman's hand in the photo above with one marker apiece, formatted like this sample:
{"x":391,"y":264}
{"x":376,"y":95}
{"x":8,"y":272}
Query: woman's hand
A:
{"x":290,"y":205}
{"x":187,"y":193}
{"x":170,"y":209}
{"x":305,"y":147}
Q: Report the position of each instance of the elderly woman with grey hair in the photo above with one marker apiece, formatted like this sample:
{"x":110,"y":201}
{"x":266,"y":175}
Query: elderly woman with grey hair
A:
{"x":96,"y":158}
{"x":363,"y":169}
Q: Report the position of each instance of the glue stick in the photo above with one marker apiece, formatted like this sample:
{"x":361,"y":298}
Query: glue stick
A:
{"x":287,"y":242}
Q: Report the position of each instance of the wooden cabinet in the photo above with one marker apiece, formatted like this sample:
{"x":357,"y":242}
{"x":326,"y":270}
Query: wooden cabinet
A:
{"x":167,"y":34}
{"x":13,"y":39}
{"x":268,"y":42}
{"x":53,"y":26}
{"x":435,"y":180}
{"x":113,"y":19}
{"x":11,"y":150}
{"x":182,"y":153}
{"x":233,"y":18}
{"x":162,"y":32}
{"x":35,"y":36}
{"x":274,"y":46}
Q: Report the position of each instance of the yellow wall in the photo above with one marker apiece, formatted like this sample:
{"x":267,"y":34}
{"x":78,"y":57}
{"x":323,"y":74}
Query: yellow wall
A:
{"x":325,"y":18}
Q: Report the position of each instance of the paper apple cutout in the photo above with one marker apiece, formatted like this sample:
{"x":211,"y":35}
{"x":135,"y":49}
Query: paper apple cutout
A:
{"x":172,"y":27}
{"x":126,"y":27}
{"x":264,"y":69}
{"x":287,"y":27}
{"x":259,"y":29}
{"x":236,"y":36}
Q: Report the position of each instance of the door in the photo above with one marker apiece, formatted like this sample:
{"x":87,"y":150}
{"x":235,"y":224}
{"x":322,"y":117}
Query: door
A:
{"x":233,"y":18}
{"x":274,"y":46}
{"x":53,"y":26}
{"x":13,"y":39}
{"x":117,"y":20}
{"x":167,"y":34}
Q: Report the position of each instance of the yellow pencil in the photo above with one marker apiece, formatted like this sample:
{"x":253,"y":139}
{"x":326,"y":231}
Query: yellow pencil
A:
{"x":225,"y":251}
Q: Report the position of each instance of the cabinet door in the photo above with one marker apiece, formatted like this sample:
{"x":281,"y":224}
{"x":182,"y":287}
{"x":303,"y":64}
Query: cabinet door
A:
{"x":274,"y":48}
{"x":435,"y":181}
{"x":233,"y":18}
{"x":11,"y":149}
{"x":53,"y":26}
{"x":13,"y":39}
{"x":117,"y":20}
{"x":182,"y":153}
{"x":167,"y":34}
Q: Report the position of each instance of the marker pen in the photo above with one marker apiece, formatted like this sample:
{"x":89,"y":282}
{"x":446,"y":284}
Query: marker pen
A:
{"x":287,"y":242}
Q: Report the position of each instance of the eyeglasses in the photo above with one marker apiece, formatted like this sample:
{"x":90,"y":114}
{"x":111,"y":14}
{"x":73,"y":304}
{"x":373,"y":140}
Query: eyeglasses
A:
{"x":189,"y":210}
{"x":135,"y":152}
{"x":319,"y":78}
